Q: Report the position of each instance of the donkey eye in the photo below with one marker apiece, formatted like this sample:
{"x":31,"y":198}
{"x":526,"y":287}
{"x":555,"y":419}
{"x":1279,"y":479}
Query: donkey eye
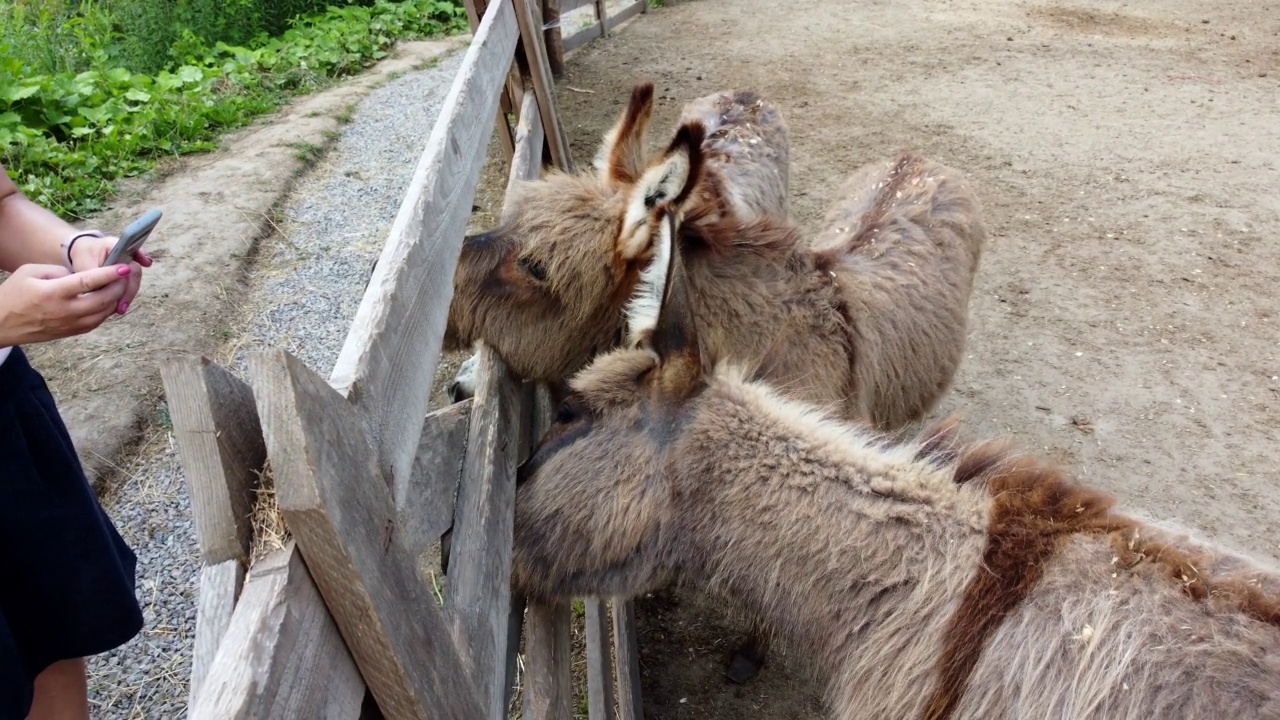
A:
{"x":568,"y":411}
{"x":536,"y":269}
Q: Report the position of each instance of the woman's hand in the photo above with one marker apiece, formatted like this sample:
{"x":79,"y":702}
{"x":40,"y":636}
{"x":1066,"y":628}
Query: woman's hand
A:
{"x":88,"y":253}
{"x":47,"y":302}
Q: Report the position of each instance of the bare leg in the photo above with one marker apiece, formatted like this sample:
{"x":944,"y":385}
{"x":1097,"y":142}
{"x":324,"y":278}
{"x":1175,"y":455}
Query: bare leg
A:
{"x":62,"y":692}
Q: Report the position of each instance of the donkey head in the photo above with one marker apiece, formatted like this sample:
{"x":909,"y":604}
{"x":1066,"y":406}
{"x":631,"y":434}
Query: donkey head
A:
{"x":546,"y":289}
{"x":594,"y":509}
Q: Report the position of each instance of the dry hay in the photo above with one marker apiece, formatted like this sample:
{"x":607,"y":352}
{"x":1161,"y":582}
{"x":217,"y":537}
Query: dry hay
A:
{"x":270,"y":532}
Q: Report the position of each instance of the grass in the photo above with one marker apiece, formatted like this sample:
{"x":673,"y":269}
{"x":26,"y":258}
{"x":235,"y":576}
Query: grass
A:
{"x":74,"y":122}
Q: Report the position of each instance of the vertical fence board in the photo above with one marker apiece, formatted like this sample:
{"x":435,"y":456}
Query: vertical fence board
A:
{"x":388,"y":361}
{"x":219,"y":587}
{"x":628,"y":652}
{"x":424,"y":504}
{"x":602,"y":14}
{"x":282,"y":656}
{"x":342,"y":515}
{"x":220,"y":442}
{"x":479,"y":597}
{"x":544,"y":87}
{"x":552,"y":36}
{"x":599,"y":662}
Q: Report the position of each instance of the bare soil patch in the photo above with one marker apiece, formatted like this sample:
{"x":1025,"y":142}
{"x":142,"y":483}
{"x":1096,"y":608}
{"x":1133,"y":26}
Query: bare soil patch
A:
{"x":1124,"y":320}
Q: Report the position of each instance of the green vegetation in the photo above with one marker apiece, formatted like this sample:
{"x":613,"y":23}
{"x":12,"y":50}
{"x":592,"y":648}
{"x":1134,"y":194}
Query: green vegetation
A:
{"x":89,"y":96}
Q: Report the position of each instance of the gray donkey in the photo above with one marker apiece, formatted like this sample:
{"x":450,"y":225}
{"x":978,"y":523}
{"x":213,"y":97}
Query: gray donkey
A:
{"x":927,"y":579}
{"x":870,"y":318}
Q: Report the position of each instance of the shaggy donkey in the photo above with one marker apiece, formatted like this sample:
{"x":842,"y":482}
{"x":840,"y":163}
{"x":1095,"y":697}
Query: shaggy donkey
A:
{"x":928,"y":579}
{"x":557,"y":250}
{"x":869,"y":320}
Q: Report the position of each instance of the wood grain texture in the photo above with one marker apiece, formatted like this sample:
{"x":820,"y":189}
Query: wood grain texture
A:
{"x":281,"y":656}
{"x":600,"y":696}
{"x":342,"y":515}
{"x":527,"y":162}
{"x":628,"y":652}
{"x":424,"y":504}
{"x":220,"y":442}
{"x":219,"y":587}
{"x":387,"y":363}
{"x":548,"y":685}
{"x":544,"y":87}
{"x":480,"y":563}
{"x":548,"y":688}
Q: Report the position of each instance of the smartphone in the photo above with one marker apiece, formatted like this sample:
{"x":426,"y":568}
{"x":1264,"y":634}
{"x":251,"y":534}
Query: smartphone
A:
{"x":133,"y":237}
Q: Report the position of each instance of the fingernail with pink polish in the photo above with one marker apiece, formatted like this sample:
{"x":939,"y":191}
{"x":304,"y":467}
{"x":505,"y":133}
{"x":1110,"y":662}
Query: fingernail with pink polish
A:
{"x":122,"y":308}
{"x":123,"y":270}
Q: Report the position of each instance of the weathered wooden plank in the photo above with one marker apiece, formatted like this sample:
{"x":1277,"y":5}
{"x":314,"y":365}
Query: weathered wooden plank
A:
{"x":548,"y":688}
{"x":544,"y":87}
{"x":479,"y":597}
{"x":340,"y":511}
{"x":527,"y":162}
{"x":628,"y":652}
{"x":644,"y":8}
{"x":599,"y":662}
{"x":219,"y":587}
{"x":501,"y":127}
{"x":628,"y":12}
{"x":581,"y":37}
{"x":602,"y":14}
{"x":281,"y":656}
{"x":220,"y":442}
{"x":388,"y":361}
{"x":424,"y":504}
{"x":552,"y":37}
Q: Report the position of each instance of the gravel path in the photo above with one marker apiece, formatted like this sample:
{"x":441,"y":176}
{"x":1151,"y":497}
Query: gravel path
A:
{"x":305,"y":290}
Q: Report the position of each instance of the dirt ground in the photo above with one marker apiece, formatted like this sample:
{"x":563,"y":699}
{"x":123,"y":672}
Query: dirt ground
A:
{"x":1128,"y":159}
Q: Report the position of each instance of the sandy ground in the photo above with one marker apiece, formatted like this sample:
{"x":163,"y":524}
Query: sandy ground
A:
{"x":1128,"y":158}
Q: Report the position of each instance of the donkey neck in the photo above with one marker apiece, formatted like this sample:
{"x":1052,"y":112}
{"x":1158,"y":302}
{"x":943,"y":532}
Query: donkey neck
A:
{"x":827,"y":539}
{"x":761,"y":298}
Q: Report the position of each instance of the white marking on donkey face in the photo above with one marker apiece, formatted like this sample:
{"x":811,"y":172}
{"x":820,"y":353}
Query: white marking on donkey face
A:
{"x":464,"y":383}
{"x":646,"y":302}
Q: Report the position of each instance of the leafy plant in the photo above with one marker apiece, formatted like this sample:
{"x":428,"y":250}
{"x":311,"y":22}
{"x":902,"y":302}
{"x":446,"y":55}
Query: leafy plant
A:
{"x":67,"y":135}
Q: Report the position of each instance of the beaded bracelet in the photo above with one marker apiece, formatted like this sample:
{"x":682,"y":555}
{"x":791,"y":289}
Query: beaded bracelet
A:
{"x":69,"y":243}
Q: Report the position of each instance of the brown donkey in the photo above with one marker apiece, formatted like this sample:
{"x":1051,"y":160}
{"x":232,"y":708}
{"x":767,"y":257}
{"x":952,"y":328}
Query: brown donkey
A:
{"x":927,"y":579}
{"x":557,"y":249}
{"x":870,"y":320}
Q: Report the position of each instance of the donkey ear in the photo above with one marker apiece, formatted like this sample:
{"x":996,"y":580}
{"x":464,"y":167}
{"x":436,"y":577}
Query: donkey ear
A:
{"x":660,"y":314}
{"x":669,"y":181}
{"x":621,"y":156}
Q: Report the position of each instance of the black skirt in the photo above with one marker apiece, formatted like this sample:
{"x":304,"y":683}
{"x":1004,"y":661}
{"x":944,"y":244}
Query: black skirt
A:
{"x":66,"y":576}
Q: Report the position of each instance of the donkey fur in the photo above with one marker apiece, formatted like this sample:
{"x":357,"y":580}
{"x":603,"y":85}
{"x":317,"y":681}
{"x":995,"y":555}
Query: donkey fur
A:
{"x":927,"y":579}
{"x":869,"y":321}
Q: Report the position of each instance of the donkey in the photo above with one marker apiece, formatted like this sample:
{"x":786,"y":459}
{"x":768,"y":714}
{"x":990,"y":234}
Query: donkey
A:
{"x":928,"y":578}
{"x":870,"y":319}
{"x":558,"y":235}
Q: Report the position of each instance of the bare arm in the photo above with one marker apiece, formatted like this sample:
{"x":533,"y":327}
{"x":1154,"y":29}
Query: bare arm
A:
{"x":29,"y":234}
{"x":44,"y":299}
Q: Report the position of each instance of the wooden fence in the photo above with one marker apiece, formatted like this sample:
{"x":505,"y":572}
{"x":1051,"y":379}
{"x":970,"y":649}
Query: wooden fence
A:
{"x":604,"y":22}
{"x":342,"y":622}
